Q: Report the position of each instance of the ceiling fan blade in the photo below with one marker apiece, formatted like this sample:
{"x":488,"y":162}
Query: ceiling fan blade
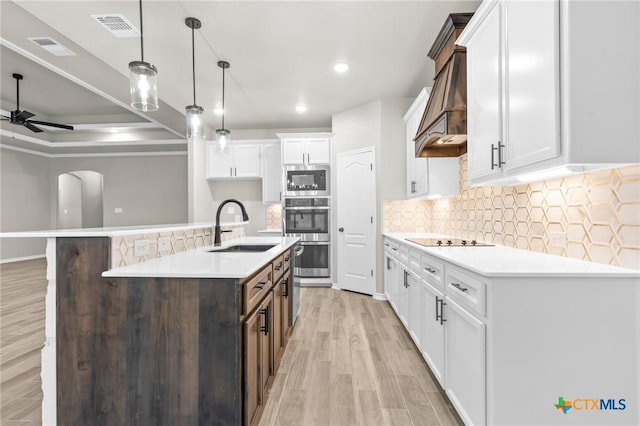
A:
{"x":23,"y":115}
{"x":45,"y":123}
{"x":31,"y":127}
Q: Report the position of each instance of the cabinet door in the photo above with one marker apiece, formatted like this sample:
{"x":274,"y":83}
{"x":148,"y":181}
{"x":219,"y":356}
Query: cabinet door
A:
{"x":271,"y":174}
{"x":414,"y":306}
{"x":278,"y":341}
{"x":421,"y":168}
{"x":532,"y":79}
{"x":465,"y":363}
{"x":266,"y":344}
{"x":391,"y":281}
{"x":432,"y":341}
{"x":318,"y":151}
{"x":253,"y":383}
{"x":246,"y":159}
{"x":286,"y":306}
{"x":403,"y":297}
{"x":294,"y":151}
{"x":484,"y":95}
{"x":218,"y":166}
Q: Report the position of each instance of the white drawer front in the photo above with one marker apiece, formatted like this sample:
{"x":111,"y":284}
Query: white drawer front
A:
{"x":432,"y":270}
{"x":391,"y":247}
{"x":468,"y":290}
{"x":404,"y":255}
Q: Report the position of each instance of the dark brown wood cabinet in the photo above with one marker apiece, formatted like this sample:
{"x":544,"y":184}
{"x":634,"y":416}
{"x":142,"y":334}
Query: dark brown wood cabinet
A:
{"x":161,"y":351}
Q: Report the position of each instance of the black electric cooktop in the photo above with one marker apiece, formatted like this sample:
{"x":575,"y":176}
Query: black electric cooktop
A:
{"x":447,"y":242}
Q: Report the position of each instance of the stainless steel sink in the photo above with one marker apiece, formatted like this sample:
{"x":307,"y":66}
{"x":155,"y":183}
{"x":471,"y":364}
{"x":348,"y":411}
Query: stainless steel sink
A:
{"x":244,"y":248}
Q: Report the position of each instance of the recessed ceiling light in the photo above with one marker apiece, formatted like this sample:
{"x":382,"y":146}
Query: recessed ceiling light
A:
{"x":301,"y":108}
{"x":218,"y":111}
{"x":341,"y":67}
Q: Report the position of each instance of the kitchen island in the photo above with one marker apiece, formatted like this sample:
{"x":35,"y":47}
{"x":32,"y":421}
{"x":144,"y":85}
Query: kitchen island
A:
{"x":171,"y":340}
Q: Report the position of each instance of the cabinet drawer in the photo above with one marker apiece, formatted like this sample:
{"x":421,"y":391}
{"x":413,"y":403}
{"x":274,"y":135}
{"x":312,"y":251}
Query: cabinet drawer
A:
{"x":391,"y":247}
{"x":256,"y":288}
{"x":467,"y":290}
{"x":414,"y":261}
{"x":432,"y":270}
{"x":287,"y":260}
{"x":403,"y":254}
{"x":278,"y":267}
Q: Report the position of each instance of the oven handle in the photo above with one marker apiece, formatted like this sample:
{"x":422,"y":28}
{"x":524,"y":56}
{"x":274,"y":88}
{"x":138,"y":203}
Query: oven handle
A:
{"x":314,"y":243}
{"x":298,"y":251}
{"x":308,"y":208}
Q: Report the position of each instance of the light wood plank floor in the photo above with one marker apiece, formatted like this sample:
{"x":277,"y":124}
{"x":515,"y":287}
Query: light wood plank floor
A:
{"x":22,"y":291}
{"x":350,"y":361}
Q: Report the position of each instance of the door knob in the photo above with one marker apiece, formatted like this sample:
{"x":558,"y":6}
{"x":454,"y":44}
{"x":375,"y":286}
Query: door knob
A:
{"x":341,"y":229}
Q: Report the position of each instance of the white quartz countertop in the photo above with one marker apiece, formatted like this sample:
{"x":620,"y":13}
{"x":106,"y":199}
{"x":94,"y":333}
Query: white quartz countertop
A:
{"x":501,"y":261}
{"x":271,"y":231}
{"x":113,"y":231}
{"x":201,"y":263}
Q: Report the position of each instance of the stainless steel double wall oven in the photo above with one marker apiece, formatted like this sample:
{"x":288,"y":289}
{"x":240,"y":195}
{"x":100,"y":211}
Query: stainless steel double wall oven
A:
{"x":306,"y":213}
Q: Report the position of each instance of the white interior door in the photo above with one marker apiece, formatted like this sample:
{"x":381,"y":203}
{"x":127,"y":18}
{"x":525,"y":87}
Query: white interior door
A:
{"x":356,"y":201}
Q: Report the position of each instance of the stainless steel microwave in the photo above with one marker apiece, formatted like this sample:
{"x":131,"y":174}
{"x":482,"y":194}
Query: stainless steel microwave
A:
{"x":307,"y":181}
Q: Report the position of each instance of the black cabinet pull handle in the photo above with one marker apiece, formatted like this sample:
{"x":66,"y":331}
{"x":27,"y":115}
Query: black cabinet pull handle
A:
{"x":493,"y":149}
{"x":265,"y":328}
{"x":437,"y":306}
{"x":261,"y":285}
{"x":460,"y":287}
{"x":430,"y":270}
{"x":500,"y":147}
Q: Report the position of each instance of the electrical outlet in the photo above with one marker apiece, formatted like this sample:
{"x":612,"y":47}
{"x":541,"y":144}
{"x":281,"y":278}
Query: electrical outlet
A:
{"x":558,"y":239}
{"x":238,"y":218}
{"x":117,"y":210}
{"x":164,"y":244}
{"x":231,"y":209}
{"x":140,"y":248}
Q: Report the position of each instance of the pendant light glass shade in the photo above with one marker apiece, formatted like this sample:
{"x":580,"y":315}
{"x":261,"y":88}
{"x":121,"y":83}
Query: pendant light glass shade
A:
{"x":195,"y":125}
{"x":143,"y":84}
{"x":223,"y":139}
{"x":223,"y":136}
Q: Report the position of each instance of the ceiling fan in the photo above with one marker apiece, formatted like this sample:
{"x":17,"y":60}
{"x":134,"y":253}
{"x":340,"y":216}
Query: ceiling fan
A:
{"x":23,"y":118}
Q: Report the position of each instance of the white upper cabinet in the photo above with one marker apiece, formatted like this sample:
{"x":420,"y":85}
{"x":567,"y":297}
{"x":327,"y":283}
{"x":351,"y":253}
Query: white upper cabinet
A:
{"x":306,"y":148}
{"x":556,"y":103}
{"x":243,"y":162}
{"x":271,"y":174}
{"x":427,"y":177}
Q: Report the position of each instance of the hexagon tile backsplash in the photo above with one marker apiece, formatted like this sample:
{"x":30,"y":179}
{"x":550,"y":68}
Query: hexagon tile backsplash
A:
{"x":598,"y":211}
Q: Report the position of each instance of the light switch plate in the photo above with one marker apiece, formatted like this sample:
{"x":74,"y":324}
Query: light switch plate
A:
{"x":558,"y":239}
{"x":164,"y":244}
{"x":118,"y":210}
{"x":140,"y":248}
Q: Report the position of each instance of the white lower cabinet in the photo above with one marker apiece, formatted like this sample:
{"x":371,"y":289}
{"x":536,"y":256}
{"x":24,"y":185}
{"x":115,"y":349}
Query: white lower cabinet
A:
{"x":491,"y":336}
{"x":432,"y":341}
{"x":465,"y":363}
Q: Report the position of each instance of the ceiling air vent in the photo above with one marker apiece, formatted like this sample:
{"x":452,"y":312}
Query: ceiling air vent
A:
{"x":52,"y":46}
{"x":117,"y":25}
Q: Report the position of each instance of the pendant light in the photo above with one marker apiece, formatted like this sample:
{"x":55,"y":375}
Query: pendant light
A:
{"x":142,"y":79}
{"x":195,"y":128}
{"x":223,"y":136}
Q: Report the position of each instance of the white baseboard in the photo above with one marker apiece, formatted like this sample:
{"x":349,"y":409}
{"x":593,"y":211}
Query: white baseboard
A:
{"x":379,"y":296}
{"x":19,"y":259}
{"x":335,"y":286}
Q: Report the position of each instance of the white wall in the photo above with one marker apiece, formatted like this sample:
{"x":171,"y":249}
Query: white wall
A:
{"x":69,"y":201}
{"x":92,"y":207}
{"x":379,"y":124}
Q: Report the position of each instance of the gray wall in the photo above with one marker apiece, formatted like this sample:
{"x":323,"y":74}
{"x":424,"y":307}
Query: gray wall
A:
{"x":25,"y":198}
{"x":92,"y":208}
{"x":378,"y":124}
{"x":69,"y":201}
{"x":149,"y":189}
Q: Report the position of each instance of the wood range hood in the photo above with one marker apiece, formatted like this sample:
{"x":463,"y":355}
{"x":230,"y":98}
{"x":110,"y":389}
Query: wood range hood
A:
{"x":443,"y":128}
